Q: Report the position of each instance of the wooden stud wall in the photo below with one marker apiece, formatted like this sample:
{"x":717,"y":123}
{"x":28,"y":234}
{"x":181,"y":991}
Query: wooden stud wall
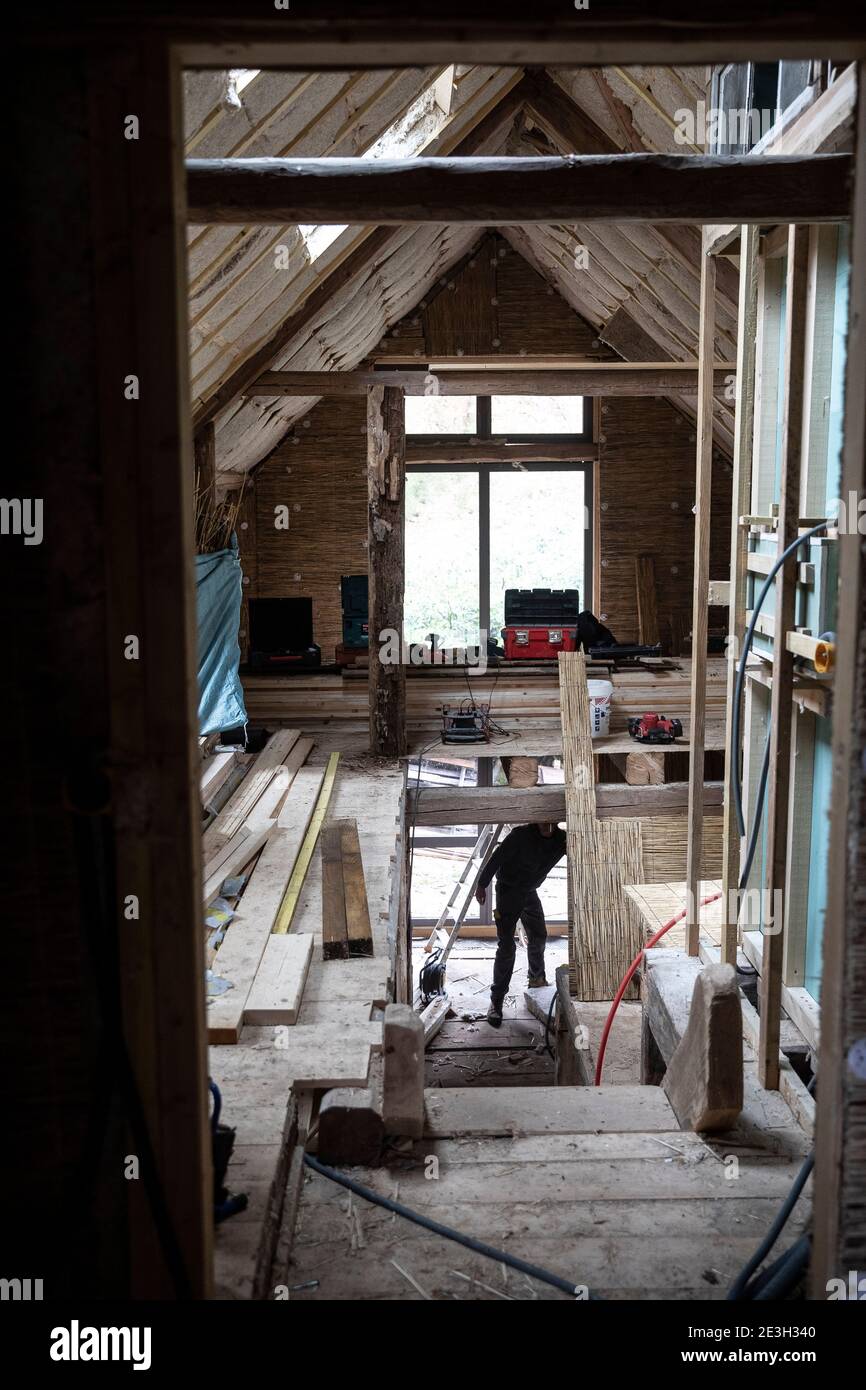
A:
{"x":840,"y":1133}
{"x":781,"y":704}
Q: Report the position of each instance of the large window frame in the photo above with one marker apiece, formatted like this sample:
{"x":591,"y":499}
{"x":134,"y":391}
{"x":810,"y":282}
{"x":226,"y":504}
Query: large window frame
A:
{"x":483,"y":435}
{"x":483,"y":472}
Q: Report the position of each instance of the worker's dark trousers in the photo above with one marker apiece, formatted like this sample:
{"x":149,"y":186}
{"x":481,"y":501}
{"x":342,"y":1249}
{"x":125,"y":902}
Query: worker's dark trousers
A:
{"x":513,"y":905}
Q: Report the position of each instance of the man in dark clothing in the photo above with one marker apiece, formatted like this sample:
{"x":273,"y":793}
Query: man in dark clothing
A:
{"x":521,"y":864}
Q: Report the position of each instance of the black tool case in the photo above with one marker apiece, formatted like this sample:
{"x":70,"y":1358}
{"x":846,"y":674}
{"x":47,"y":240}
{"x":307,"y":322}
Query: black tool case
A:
{"x":541,"y":607}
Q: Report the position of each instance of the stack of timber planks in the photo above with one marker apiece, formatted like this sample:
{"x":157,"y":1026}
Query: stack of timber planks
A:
{"x":519,"y":698}
{"x":268,"y":815}
{"x":244,"y":824}
{"x":266,"y":960}
{"x":606,"y":928}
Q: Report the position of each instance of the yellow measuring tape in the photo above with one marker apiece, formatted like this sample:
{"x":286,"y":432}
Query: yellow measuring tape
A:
{"x":305,"y":854}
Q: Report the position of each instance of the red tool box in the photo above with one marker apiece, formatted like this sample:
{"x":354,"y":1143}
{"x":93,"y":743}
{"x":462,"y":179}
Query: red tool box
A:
{"x":540,"y":623}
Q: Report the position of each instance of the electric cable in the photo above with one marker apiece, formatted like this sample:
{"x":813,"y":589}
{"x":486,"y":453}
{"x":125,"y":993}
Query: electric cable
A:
{"x":740,"y":1287}
{"x":757,"y":819}
{"x":491,"y":723}
{"x":479,"y":1246}
{"x":547,"y":1022}
{"x":736,"y":783}
{"x":627,"y":978}
{"x":787,"y":1271}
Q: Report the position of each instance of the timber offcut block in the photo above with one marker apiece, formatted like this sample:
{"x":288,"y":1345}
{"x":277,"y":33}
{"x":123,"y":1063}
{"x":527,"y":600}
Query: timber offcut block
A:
{"x":704,"y":1079}
{"x":278,"y":988}
{"x":403,"y":1080}
{"x":350,"y":1127}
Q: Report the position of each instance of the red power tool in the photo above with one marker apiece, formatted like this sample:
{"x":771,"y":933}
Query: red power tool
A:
{"x":654,"y":728}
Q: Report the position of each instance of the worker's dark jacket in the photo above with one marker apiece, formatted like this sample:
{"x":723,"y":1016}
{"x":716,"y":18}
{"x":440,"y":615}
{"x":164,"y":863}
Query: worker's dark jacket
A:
{"x":524,"y":859}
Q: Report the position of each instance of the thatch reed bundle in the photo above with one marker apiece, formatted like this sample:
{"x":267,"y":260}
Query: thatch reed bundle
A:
{"x":215,"y":520}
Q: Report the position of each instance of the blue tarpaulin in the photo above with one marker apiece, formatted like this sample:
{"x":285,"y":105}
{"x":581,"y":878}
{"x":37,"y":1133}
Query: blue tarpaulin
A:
{"x":218,"y":608}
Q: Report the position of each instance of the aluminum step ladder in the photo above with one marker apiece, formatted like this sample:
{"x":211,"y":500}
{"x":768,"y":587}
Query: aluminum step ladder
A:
{"x":452,"y":917}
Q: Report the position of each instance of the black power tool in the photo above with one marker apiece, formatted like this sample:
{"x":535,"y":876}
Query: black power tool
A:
{"x":654,"y":728}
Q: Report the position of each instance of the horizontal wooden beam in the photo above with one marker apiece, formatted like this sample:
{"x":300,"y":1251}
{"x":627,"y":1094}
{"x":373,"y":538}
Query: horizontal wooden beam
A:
{"x":348,"y":35}
{"x":496,"y":452}
{"x":537,"y":805}
{"x":503,"y":191}
{"x":343,"y":34}
{"x":592,"y":379}
{"x":509,"y":362}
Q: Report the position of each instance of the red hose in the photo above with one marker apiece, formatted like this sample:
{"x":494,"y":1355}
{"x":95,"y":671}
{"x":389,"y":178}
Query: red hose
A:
{"x":626,"y":981}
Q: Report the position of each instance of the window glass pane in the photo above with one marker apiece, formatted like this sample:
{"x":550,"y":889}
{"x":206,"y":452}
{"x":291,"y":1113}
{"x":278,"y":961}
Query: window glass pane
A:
{"x":440,"y":414}
{"x":537,"y":414}
{"x":442,"y":557}
{"x":450,"y":770}
{"x":554,"y":893}
{"x":435,"y":872}
{"x":537,"y":535}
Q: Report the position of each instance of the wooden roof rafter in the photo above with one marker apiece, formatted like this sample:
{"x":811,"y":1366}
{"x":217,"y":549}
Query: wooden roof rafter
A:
{"x":377,"y":241}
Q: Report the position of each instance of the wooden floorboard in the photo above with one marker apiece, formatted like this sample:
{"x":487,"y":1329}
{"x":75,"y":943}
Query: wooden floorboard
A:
{"x":554,"y":1110}
{"x":645,"y":1216}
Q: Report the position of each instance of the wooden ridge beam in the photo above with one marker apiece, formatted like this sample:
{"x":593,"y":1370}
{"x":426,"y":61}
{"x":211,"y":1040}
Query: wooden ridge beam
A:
{"x":596,"y":378}
{"x":499,"y":191}
{"x":538,"y":805}
{"x":563,"y":120}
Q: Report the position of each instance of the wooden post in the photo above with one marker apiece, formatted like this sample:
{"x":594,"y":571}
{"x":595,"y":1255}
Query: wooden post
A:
{"x":840,"y":1158}
{"x":142,"y":322}
{"x":205,"y":462}
{"x":800,"y":830}
{"x":647,"y":605}
{"x":386,"y":470}
{"x":781,"y":706}
{"x":703,"y":497}
{"x":741,"y":491}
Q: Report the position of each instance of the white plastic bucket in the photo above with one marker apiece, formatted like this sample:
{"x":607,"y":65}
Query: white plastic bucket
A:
{"x":600,"y":693}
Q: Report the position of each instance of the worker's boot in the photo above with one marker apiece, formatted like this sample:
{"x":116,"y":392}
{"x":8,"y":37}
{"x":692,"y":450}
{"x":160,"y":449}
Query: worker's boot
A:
{"x":494,"y":1014}
{"x":537,"y":981}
